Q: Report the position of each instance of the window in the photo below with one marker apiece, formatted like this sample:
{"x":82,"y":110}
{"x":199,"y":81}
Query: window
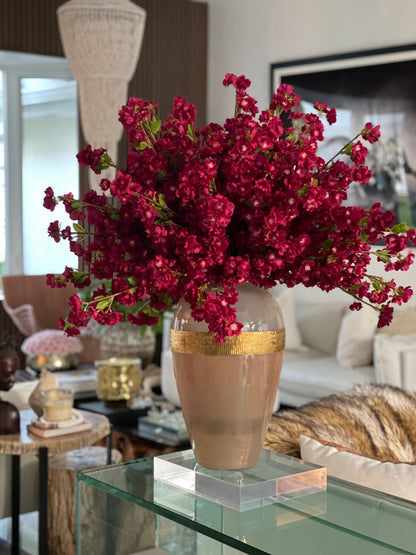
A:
{"x":38,"y":146}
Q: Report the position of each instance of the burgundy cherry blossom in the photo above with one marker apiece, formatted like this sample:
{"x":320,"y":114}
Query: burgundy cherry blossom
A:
{"x":247,"y":201}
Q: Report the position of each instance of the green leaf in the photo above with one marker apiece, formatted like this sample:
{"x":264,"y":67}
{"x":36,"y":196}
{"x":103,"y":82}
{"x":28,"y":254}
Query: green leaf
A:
{"x":326,"y":245}
{"x":103,"y":304}
{"x":377,"y":284}
{"x":78,"y":228}
{"x":161,"y":200}
{"x":400,"y":228}
{"x":347,"y":150}
{"x":149,"y":311}
{"x":77,"y":205}
{"x":106,"y":159}
{"x":381,"y":255}
{"x":302,"y":191}
{"x":190,"y":131}
{"x":162,"y":175}
{"x":155,"y":125}
{"x":162,"y":214}
{"x":79,"y":277}
{"x":142,"y":145}
{"x":363,"y":236}
{"x":165,"y":221}
{"x":355,"y":287}
{"x":363,"y":222}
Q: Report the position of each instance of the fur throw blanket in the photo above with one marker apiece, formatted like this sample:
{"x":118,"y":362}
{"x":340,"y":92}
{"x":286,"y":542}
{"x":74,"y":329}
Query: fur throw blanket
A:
{"x":377,"y":421}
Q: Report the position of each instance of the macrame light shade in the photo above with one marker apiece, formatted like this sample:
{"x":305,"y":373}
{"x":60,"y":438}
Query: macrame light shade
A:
{"x":101,"y":40}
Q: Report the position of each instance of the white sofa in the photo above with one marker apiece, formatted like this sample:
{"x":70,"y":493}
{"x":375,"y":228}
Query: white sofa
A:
{"x":329,"y":348}
{"x":340,"y":348}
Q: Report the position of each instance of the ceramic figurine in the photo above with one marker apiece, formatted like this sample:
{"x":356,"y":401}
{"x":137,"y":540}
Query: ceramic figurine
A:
{"x":9,"y":363}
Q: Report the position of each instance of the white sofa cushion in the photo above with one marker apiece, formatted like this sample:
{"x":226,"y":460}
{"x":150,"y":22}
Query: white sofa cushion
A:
{"x":286,"y":301}
{"x":397,"y":479}
{"x":356,"y":337}
{"x":403,"y":323}
{"x":312,"y":375}
{"x":319,"y":315}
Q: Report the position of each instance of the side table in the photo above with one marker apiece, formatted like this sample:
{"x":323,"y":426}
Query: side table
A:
{"x":28,"y":444}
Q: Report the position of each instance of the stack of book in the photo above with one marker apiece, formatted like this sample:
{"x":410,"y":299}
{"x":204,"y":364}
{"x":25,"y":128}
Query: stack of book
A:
{"x":43,"y":428}
{"x":82,"y":382}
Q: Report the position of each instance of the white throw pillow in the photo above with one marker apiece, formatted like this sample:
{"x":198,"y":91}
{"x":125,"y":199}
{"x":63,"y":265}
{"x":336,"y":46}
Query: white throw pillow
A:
{"x":284,"y":296}
{"x":356,"y":337}
{"x":397,"y":479}
{"x":403,"y":323}
{"x":318,"y":316}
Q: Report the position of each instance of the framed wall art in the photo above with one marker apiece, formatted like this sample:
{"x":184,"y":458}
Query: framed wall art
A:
{"x":377,"y":86}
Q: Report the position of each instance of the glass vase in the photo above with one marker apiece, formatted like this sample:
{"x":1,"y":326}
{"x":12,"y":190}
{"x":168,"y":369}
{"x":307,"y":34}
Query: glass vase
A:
{"x":227,"y":391}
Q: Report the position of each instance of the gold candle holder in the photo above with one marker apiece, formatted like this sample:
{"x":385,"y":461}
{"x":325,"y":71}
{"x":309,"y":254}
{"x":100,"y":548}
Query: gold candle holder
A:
{"x":118,"y":378}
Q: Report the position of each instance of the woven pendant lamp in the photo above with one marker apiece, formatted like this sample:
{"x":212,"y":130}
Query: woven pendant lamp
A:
{"x":101,"y":40}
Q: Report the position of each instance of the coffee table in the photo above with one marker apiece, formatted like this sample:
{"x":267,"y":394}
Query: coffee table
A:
{"x":119,"y":507}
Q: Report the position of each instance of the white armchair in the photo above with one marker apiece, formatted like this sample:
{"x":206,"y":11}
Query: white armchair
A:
{"x":395,"y":360}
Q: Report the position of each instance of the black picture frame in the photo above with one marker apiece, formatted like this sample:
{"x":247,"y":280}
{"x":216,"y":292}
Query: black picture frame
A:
{"x":370,"y":85}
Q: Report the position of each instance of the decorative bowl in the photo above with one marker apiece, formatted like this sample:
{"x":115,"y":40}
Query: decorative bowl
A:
{"x":52,"y":362}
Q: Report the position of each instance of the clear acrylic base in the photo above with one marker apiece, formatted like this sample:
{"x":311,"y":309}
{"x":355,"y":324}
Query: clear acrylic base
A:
{"x":273,"y":479}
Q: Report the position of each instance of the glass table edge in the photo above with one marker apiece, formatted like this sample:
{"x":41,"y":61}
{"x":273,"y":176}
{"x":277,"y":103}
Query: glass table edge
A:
{"x":348,"y":488}
{"x":334,"y":483}
{"x":160,"y":510}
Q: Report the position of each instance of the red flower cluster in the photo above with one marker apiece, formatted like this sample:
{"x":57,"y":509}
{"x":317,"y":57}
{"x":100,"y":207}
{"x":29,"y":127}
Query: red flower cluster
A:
{"x":247,"y":201}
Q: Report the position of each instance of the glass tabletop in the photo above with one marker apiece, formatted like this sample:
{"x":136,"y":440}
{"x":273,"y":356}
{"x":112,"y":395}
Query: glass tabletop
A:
{"x":344,"y":519}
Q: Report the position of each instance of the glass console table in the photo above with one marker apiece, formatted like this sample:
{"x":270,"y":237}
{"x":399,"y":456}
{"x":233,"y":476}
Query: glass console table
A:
{"x":122,"y":509}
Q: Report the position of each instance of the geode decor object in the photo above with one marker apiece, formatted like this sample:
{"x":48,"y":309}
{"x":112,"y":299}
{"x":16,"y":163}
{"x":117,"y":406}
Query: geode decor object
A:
{"x":46,"y":381}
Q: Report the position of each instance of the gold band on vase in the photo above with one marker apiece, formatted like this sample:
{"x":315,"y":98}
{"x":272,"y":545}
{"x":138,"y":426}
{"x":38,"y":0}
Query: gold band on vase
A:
{"x":247,"y":343}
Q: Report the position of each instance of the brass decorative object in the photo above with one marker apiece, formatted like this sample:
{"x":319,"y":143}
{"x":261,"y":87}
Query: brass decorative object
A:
{"x":118,"y":378}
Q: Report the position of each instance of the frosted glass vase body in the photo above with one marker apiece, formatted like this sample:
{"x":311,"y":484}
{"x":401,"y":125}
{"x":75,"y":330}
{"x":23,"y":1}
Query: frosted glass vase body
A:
{"x":227,"y":391}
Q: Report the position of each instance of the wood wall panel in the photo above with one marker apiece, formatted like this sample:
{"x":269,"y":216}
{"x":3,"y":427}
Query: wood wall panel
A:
{"x":172,"y":62}
{"x":30,"y":26}
{"x":198,"y":39}
{"x":174,"y":46}
{"x":174,"y":53}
